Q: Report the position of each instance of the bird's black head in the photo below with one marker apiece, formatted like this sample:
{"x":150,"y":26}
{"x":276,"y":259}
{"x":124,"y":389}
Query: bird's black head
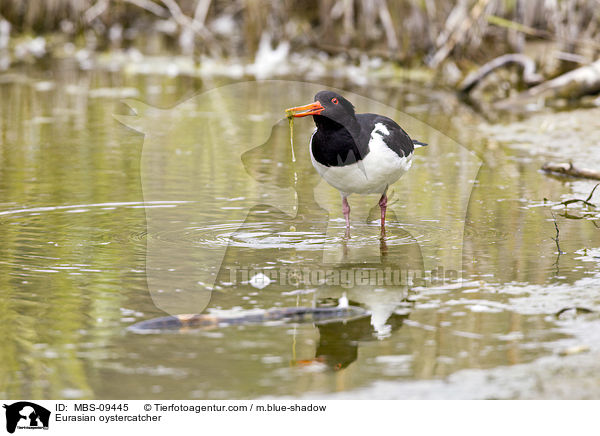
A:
{"x":328,"y":106}
{"x":335,"y":106}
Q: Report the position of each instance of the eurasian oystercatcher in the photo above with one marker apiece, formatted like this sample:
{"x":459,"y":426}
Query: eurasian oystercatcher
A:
{"x":356,"y":153}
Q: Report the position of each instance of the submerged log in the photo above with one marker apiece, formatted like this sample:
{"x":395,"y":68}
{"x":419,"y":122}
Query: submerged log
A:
{"x":570,"y":170}
{"x":287,"y":314}
{"x":576,"y":83}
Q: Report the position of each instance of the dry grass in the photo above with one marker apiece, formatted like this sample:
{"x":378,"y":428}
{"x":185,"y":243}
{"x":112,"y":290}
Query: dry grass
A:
{"x":403,"y":30}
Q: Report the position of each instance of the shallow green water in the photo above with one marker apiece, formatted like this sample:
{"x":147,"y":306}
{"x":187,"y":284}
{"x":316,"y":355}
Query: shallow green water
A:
{"x":100,"y":224}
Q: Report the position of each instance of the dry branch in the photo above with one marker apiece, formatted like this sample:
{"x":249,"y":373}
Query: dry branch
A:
{"x":195,"y":25}
{"x":201,"y":11}
{"x":569,"y":169}
{"x":458,"y":35}
{"x":150,"y":6}
{"x":528,"y":65}
{"x":540,"y":33}
{"x":95,"y":11}
{"x":388,"y":25}
{"x":576,"y":83}
{"x":184,"y":21}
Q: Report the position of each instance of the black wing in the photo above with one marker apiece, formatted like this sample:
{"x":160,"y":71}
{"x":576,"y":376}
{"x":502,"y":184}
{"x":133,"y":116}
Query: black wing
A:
{"x":398,"y":140}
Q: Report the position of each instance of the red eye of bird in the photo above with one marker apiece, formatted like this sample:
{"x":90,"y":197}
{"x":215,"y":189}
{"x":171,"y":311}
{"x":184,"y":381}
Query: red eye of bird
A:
{"x":334,"y":100}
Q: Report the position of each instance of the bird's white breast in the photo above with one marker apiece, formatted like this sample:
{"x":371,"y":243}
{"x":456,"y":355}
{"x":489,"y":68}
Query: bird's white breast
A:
{"x":378,"y":169}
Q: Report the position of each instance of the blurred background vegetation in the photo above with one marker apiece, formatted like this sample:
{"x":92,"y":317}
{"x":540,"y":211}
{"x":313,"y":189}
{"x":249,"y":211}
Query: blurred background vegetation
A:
{"x":410,"y":32}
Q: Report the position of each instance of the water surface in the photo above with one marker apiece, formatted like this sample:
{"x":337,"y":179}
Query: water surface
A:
{"x":96,"y":218}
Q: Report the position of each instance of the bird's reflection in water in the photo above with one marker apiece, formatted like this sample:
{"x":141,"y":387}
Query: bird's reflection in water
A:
{"x":339,"y":342}
{"x":381,"y":286}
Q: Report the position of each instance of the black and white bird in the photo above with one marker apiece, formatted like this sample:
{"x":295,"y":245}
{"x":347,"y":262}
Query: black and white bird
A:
{"x":356,"y":153}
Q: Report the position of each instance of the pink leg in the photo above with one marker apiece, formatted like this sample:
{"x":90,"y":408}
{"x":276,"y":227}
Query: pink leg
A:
{"x":346,"y":210}
{"x":383,"y":206}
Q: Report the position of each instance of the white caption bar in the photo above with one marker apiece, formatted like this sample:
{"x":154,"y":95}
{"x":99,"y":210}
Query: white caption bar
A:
{"x":295,"y":417}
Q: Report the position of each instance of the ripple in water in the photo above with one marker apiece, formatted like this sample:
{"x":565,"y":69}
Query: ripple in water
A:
{"x":269,"y":235}
{"x":255,"y":235}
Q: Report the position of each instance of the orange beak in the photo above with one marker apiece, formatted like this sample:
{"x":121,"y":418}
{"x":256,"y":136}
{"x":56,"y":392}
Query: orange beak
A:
{"x":302,"y":111}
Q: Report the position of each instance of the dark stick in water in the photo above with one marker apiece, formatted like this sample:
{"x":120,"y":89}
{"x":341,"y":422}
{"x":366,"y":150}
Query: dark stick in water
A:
{"x":288,"y":314}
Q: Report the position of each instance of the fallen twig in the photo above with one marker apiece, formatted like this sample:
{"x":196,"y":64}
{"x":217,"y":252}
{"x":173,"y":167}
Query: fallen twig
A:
{"x":586,"y":201}
{"x":556,"y":239}
{"x":570,"y":170}
{"x":592,"y":193}
{"x":529,"y":75}
{"x":577,"y":309}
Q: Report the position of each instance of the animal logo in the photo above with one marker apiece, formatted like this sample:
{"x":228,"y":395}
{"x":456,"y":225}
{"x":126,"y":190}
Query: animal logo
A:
{"x":26,"y":415}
